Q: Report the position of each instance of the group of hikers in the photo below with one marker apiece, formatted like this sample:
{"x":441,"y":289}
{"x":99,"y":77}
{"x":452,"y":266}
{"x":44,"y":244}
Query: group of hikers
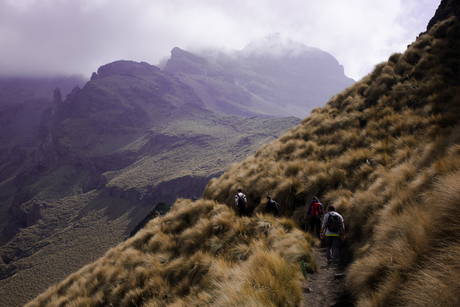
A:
{"x":331,"y":227}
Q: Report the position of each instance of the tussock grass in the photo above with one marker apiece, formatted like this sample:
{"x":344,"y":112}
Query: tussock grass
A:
{"x":264,"y":280}
{"x":198,"y":254}
{"x":380,"y":152}
{"x":385,"y":152}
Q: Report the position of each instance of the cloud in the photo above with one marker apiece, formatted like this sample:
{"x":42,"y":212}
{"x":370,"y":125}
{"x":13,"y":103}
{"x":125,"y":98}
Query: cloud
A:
{"x":78,"y":36}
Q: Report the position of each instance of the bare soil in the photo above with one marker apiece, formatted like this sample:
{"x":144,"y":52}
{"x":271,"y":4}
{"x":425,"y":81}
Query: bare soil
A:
{"x":327,"y":286}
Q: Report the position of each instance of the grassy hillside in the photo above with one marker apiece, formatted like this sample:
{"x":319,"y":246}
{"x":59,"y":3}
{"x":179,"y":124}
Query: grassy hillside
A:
{"x":107,"y":154}
{"x":200,"y":253}
{"x":385,"y":152}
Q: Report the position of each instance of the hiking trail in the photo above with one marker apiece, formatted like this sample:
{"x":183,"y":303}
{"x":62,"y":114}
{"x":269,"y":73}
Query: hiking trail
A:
{"x":326,"y":286}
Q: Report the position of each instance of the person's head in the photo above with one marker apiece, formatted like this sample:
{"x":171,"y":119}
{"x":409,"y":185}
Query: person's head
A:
{"x":239,"y":190}
{"x":269,"y":197}
{"x":315,"y":198}
{"x":331,"y":208}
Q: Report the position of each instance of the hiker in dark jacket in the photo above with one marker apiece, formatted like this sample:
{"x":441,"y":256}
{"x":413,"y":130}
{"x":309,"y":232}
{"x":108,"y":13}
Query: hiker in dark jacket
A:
{"x":334,"y":229}
{"x":241,"y":202}
{"x":272,"y":206}
{"x":315,"y":210}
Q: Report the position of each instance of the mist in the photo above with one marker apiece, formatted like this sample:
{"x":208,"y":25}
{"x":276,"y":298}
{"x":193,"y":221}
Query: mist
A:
{"x":77,"y":36}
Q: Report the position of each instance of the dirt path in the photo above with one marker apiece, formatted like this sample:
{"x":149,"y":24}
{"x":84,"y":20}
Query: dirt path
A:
{"x":327,"y":286}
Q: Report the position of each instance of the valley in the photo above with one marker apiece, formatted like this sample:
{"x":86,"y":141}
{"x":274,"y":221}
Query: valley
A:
{"x":133,"y":136}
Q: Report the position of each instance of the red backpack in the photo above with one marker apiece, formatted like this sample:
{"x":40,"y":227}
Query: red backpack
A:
{"x":316,"y":209}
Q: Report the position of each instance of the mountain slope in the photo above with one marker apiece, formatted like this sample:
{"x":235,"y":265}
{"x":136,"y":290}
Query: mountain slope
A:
{"x":273,"y":76}
{"x":199,"y":254}
{"x":22,"y":102}
{"x":106,"y":155}
{"x":385,"y":152}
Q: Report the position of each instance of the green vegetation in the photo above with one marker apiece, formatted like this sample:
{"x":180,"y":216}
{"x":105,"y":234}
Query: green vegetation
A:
{"x":162,"y":208}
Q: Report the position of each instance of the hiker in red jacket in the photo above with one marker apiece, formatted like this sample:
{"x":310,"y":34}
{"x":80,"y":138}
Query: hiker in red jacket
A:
{"x":315,"y":210}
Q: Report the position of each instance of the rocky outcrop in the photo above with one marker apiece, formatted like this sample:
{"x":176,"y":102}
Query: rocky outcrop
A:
{"x":50,"y":119}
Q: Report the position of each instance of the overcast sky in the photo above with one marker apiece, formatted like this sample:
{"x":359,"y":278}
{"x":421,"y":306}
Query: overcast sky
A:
{"x":77,"y":36}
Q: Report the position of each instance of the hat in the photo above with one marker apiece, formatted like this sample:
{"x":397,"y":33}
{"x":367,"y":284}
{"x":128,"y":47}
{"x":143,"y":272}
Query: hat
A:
{"x":331,"y":208}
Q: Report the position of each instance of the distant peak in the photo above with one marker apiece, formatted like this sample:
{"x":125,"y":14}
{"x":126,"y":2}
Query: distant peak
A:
{"x":277,"y":45}
{"x":176,"y":53}
{"x":124,"y":68}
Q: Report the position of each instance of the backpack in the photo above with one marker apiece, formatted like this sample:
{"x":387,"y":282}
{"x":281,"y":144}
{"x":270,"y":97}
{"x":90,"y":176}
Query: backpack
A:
{"x":274,"y":207}
{"x":315,"y":209}
{"x":241,"y":200}
{"x":333,"y":223}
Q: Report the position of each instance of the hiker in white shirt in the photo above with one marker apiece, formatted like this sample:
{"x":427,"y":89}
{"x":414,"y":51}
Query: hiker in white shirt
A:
{"x":334,"y":230}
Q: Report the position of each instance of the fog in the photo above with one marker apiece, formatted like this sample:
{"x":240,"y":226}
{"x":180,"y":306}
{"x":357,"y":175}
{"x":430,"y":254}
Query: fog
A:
{"x":46,"y":37}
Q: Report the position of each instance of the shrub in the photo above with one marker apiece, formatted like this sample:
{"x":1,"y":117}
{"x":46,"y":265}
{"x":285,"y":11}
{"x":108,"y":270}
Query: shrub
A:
{"x":394,"y":58}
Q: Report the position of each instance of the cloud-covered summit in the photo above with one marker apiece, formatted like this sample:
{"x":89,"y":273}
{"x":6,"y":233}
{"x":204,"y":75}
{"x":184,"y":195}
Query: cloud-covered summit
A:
{"x":278,"y":45}
{"x":77,"y":36}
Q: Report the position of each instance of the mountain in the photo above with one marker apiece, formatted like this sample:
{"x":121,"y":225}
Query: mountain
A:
{"x":104,"y":157}
{"x":274,"y":76}
{"x":384,"y":152}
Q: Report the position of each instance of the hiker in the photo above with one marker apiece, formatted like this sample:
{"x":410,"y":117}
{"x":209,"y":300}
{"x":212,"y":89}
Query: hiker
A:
{"x":315,"y":210}
{"x":240,"y":202}
{"x":334,"y":228}
{"x":272,"y":206}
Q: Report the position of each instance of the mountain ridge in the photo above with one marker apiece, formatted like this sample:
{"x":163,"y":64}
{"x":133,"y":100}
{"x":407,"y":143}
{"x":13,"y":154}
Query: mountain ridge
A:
{"x":112,"y":149}
{"x":384,"y":152}
{"x":274,"y":74}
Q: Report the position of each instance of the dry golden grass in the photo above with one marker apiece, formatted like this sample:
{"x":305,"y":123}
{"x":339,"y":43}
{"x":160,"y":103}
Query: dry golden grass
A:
{"x":380,"y":151}
{"x":265,"y":279}
{"x":385,"y":152}
{"x":199,"y":254}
